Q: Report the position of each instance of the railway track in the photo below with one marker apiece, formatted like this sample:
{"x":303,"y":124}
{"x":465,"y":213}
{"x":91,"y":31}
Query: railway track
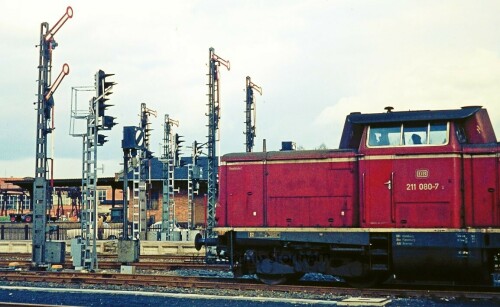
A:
{"x":164,"y":258}
{"x":149,"y":262}
{"x":155,"y":264}
{"x":169,"y":282}
{"x":150,"y":265}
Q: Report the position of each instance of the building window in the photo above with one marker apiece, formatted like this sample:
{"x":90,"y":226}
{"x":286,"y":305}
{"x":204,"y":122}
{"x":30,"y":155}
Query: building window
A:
{"x":101,"y":195}
{"x":153,"y":204}
{"x":12,"y":202}
{"x":26,"y":202}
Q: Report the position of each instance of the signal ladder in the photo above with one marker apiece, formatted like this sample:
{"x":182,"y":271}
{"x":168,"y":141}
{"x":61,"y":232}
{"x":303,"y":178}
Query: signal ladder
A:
{"x":143,"y":199}
{"x":168,"y":197}
{"x":171,"y":205}
{"x":89,"y":184}
{"x":136,"y":210}
{"x":190,"y":197}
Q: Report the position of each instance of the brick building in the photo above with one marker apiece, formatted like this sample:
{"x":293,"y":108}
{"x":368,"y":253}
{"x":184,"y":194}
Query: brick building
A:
{"x":13,"y":199}
{"x":110,"y":193}
{"x":154,"y":209}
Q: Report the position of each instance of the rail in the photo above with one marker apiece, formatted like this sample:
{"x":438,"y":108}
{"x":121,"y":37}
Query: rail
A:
{"x":318,"y":288}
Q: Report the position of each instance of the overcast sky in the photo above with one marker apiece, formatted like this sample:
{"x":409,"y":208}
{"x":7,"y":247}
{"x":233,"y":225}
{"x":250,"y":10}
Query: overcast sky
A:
{"x":316,"y":61}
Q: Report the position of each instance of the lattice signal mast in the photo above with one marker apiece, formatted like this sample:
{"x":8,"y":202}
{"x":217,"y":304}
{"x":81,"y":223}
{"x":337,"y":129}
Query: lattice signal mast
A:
{"x":193,"y":185}
{"x":250,"y":113}
{"x":42,"y":193}
{"x":167,"y":218}
{"x":146,"y":125}
{"x":213,"y":126}
{"x":98,"y":120}
{"x":141,"y":189}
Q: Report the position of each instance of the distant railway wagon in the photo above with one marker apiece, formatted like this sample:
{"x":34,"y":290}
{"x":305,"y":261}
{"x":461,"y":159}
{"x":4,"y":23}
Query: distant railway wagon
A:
{"x":411,"y":194}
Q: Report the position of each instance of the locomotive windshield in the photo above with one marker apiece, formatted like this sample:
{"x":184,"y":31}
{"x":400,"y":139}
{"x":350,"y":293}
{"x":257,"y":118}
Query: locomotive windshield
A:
{"x":411,"y":134}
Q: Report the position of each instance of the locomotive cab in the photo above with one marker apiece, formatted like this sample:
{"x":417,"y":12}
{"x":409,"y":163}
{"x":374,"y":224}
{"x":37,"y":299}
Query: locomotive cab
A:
{"x":413,"y":194}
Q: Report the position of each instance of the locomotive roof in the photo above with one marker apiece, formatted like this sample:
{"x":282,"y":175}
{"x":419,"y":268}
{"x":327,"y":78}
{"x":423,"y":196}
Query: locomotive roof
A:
{"x":409,"y":116}
{"x":287,"y":155}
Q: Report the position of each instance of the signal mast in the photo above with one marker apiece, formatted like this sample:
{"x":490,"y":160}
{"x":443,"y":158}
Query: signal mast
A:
{"x":141,"y":193}
{"x":213,"y":126}
{"x":42,"y":193}
{"x":250,"y":106}
{"x":97,"y":121}
{"x":168,"y":213}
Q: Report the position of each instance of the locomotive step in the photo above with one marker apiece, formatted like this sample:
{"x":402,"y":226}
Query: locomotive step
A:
{"x":379,"y":252}
{"x":379,"y":237}
{"x":379,"y":267}
{"x":348,"y":249}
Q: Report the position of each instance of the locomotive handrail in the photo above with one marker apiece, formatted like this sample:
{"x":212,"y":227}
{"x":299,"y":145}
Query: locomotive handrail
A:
{"x":363,"y":195}
{"x":393,"y":209}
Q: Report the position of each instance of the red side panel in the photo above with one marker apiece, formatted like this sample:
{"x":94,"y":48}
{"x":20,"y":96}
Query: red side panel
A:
{"x":311,"y":194}
{"x":426,"y":191}
{"x":295,"y":189}
{"x":482,"y":190}
{"x":376,"y":192}
{"x":241,"y":194}
{"x":419,"y":191}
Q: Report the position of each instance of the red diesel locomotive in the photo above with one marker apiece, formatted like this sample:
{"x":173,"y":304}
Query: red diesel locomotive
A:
{"x":408,"y":194}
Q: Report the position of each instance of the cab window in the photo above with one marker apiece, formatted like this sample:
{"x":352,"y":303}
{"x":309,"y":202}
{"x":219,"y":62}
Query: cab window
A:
{"x":438,"y":133}
{"x":415,"y":134}
{"x":384,"y":136}
{"x":411,"y":134}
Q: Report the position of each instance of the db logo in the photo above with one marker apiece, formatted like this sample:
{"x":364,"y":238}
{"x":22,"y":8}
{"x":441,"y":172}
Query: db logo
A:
{"x":422,"y":173}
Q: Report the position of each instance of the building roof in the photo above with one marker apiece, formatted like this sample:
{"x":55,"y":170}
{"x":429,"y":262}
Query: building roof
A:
{"x":180,"y":173}
{"x":8,"y":185}
{"x":26,"y":183}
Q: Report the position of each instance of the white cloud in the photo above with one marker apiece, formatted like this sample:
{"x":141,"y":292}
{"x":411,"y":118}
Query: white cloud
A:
{"x":438,"y":81}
